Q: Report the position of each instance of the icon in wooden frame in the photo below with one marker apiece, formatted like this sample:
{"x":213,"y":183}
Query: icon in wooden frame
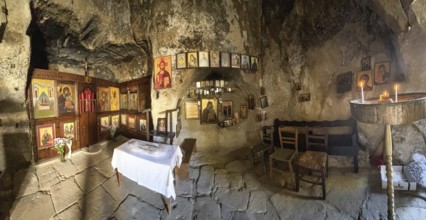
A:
{"x":45,"y":135}
{"x":44,"y":98}
{"x":192,"y":58}
{"x":181,"y":60}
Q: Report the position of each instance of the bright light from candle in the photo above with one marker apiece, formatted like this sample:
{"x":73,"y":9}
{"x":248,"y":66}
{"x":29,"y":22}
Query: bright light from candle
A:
{"x":396,"y":92}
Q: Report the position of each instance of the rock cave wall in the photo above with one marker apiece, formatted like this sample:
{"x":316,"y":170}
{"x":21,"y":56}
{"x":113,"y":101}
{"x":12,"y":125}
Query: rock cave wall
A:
{"x":15,"y":147}
{"x":310,"y":43}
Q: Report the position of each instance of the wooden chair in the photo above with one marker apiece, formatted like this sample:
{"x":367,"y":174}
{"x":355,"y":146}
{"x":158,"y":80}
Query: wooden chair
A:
{"x":288,"y":136}
{"x":314,"y":162}
{"x":262,"y":150}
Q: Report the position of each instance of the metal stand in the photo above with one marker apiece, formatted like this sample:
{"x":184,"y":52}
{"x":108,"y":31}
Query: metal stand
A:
{"x":389,"y":174}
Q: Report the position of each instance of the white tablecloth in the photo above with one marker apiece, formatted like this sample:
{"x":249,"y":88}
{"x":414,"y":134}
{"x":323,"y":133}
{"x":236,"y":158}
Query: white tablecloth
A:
{"x":149,"y":164}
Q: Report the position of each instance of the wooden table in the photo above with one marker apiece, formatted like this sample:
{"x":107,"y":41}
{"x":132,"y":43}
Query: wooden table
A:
{"x":149,"y":164}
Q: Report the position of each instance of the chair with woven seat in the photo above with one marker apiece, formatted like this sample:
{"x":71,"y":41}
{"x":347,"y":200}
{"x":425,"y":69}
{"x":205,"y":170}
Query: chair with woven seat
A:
{"x":288,"y":137}
{"x":263,"y":149}
{"x":313,"y":163}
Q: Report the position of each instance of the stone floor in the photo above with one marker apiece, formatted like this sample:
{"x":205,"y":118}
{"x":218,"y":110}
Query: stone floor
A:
{"x":219,"y":187}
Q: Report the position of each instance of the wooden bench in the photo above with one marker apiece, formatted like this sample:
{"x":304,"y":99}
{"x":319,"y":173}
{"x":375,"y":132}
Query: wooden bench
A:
{"x":187,"y":146}
{"x":342,"y":136}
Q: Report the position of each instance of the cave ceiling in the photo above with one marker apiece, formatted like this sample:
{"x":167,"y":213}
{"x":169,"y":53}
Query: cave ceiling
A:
{"x":112,"y":32}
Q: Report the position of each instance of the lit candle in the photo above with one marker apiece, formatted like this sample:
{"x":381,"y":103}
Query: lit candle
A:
{"x":396,"y":92}
{"x":362,"y":92}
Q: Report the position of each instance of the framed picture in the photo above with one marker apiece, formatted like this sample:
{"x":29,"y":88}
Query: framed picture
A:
{"x":227,"y":108}
{"x":45,"y":135}
{"x":225,"y":59}
{"x":132,"y":122}
{"x":142,"y":125}
{"x":66,"y":97}
{"x":114,"y":98}
{"x":103,"y":99}
{"x":124,"y":102}
{"x":214,"y":59}
{"x":192,"y":58}
{"x":191,"y":93}
{"x":245,"y":61}
{"x":104,"y":123}
{"x":163,"y":72}
{"x":253,"y":63}
{"x":208,"y":111}
{"x":123,"y":119}
{"x":162,"y":125}
{"x":191,"y":110}
{"x":133,"y":101}
{"x":69,"y":130}
{"x":181,"y":60}
{"x":142,"y":101}
{"x":235,"y":60}
{"x":243,"y":111}
{"x":251,"y":102}
{"x":365,"y":78}
{"x":366,"y":63}
{"x":264,"y":102}
{"x":115,"y":120}
{"x":44,"y":98}
{"x":203,"y":59}
{"x":382,"y":73}
{"x":344,"y":82}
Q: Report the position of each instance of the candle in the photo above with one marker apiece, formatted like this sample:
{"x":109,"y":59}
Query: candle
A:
{"x":362,"y":92}
{"x":396,"y":92}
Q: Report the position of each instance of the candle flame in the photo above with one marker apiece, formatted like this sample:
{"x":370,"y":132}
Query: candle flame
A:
{"x":396,"y":87}
{"x":361,"y":84}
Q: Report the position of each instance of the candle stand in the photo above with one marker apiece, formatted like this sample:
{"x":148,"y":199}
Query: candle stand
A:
{"x":408,"y":108}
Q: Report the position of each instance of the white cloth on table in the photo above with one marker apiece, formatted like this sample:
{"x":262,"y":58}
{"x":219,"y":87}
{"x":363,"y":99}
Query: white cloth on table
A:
{"x":149,"y":164}
{"x":69,"y":145}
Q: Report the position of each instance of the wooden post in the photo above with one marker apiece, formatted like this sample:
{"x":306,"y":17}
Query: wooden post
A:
{"x":389,"y":174}
{"x":118,"y":177}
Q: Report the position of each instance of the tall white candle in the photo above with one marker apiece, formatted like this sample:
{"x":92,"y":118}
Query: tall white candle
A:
{"x":396,"y":92}
{"x":362,"y":92}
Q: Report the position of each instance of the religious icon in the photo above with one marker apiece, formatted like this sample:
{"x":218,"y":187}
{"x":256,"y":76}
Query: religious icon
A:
{"x":235,"y":60}
{"x":133,"y":101}
{"x":381,"y":73}
{"x":104,"y":123}
{"x":44,"y":103}
{"x":227,"y":108}
{"x":142,"y":124}
{"x":45,"y":135}
{"x":103,"y":99}
{"x":344,"y":82}
{"x":181,"y":60}
{"x":243,"y":111}
{"x":254,"y":62}
{"x":245,"y":62}
{"x":142,"y":101}
{"x":365,"y":78}
{"x":66,"y":97}
{"x":162,"y":125}
{"x":264,"y":102}
{"x":163,"y":72}
{"x":192,"y":59}
{"x":251,"y":102}
{"x":132,"y":122}
{"x":203,"y":59}
{"x":114,"y":98}
{"x":115,"y":120}
{"x":69,"y":130}
{"x":214,"y":59}
{"x":123,"y":119}
{"x":209,"y":111}
{"x":124,"y":101}
{"x":225,"y":59}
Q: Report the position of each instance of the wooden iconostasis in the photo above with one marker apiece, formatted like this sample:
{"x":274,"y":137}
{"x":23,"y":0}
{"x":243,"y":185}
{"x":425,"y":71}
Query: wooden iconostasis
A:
{"x":84,"y":109}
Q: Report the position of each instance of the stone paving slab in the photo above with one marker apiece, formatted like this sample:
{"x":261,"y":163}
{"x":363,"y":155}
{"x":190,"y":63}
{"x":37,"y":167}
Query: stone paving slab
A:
{"x":98,"y":204}
{"x":289,"y":207}
{"x":271,"y":213}
{"x":237,"y":200}
{"x":47,"y":176}
{"x":105,"y":168}
{"x":65,"y":193}
{"x":118,"y":193}
{"x":72,"y":212}
{"x":89,"y":179}
{"x":251,"y":181}
{"x":184,"y":188}
{"x":25,"y":182}
{"x":149,"y":196}
{"x":132,"y":208}
{"x":206,"y":180}
{"x":65,"y":169}
{"x":35,"y":206}
{"x":257,"y":202}
{"x":409,"y":213}
{"x":183,"y":210}
{"x":207,"y":208}
{"x":221,"y":179}
{"x":236,"y":181}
